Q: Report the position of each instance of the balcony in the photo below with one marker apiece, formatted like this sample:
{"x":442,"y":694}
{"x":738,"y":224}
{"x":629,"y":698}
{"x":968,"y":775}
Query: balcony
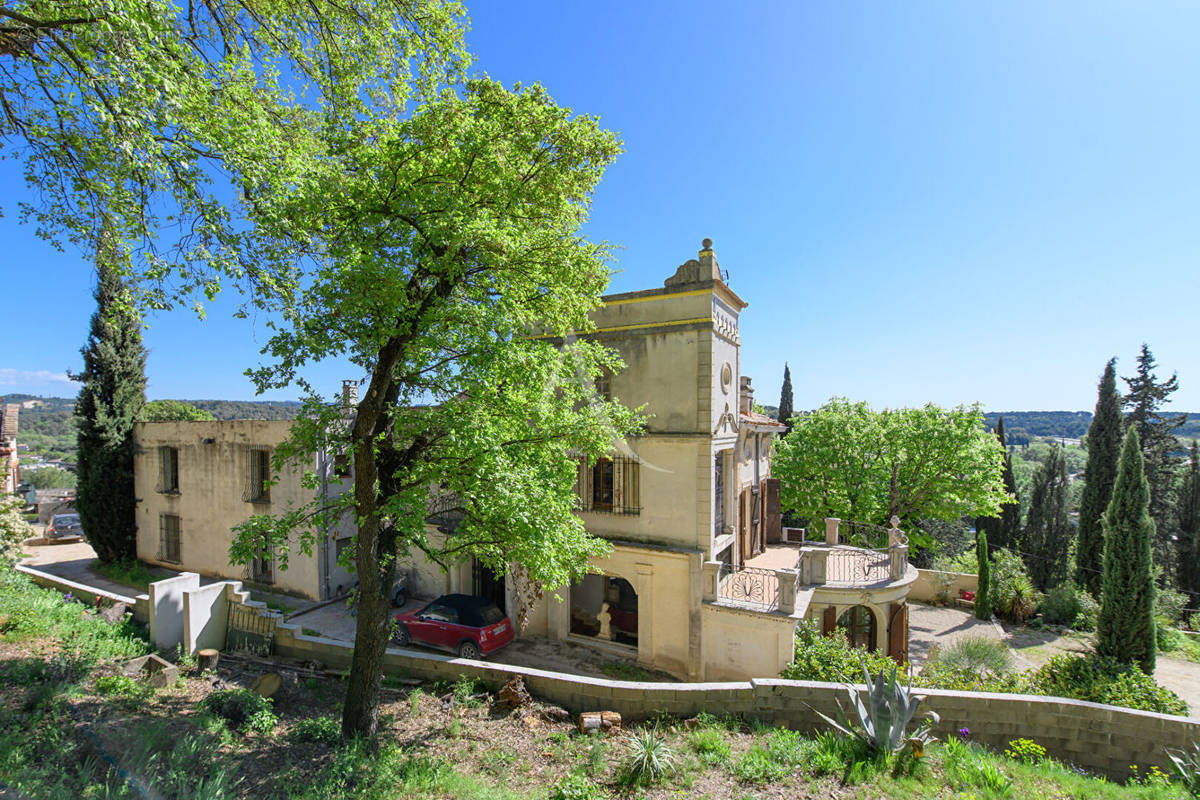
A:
{"x":784,"y":578}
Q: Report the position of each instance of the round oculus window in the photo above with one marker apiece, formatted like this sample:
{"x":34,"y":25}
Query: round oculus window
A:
{"x":726,"y":377}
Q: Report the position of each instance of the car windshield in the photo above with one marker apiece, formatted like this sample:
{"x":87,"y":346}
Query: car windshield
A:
{"x":67,"y":519}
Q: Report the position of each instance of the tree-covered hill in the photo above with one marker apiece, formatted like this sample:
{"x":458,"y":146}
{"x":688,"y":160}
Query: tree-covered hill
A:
{"x":1024,"y":426}
{"x":49,"y":429}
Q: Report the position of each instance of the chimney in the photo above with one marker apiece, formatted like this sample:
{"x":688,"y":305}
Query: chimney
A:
{"x":349,"y":395}
{"x":745,"y":395}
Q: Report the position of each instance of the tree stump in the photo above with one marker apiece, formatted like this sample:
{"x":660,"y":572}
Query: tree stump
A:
{"x":513,"y":694}
{"x":207,"y":659}
{"x":266,"y":685}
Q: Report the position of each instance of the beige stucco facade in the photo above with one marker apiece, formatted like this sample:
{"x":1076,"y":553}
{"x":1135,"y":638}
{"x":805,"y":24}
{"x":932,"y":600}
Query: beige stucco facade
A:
{"x":211,"y":483}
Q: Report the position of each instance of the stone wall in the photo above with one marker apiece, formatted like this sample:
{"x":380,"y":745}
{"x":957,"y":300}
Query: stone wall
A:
{"x":1100,"y":738}
{"x":926,"y":586}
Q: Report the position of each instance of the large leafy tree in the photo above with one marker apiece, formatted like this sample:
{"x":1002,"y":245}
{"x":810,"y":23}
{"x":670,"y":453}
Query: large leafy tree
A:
{"x":848,"y":461}
{"x":1046,"y":541}
{"x":1144,"y":403}
{"x":173,"y":411}
{"x":1189,"y":529}
{"x":1104,"y":450}
{"x":112,"y":395}
{"x":147,"y":120}
{"x":1125,"y":629}
{"x":443,"y":258}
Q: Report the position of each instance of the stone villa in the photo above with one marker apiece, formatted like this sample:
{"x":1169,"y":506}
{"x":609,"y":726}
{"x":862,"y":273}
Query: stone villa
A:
{"x":702,"y":582}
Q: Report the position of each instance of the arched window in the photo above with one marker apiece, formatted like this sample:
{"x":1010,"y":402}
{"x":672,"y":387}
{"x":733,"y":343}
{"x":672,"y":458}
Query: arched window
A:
{"x":859,"y":624}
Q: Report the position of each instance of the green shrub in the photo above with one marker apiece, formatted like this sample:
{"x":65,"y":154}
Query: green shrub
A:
{"x":242,"y":709}
{"x":1067,"y":604}
{"x":648,"y":758}
{"x":940,"y":675}
{"x":710,"y":745}
{"x":977,"y":654}
{"x":1170,"y":604}
{"x":1010,"y":589}
{"x":831,"y":658}
{"x":1169,"y":639}
{"x":1026,"y":750}
{"x":327,"y":730}
{"x":1103,"y":680}
{"x":574,"y":786}
{"x":122,"y":686}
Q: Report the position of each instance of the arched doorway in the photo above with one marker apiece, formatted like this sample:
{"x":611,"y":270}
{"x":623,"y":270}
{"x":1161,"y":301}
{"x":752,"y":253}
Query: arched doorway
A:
{"x":858,"y":622}
{"x":605,"y":608}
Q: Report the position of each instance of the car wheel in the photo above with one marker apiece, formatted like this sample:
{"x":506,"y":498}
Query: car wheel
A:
{"x":399,"y":598}
{"x":469,"y":650}
{"x":401,"y":635}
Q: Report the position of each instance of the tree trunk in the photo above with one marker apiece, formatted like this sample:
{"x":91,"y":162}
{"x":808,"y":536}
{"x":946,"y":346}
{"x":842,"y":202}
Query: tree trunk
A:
{"x":360,"y":712}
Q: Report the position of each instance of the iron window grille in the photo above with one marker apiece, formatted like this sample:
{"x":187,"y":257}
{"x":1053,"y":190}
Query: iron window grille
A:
{"x":169,"y":535}
{"x":168,"y":470}
{"x":258,"y":483}
{"x":609,"y":486}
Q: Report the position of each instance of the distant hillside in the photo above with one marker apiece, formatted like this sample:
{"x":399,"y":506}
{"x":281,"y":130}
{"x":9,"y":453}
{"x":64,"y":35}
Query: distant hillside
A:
{"x":49,"y":428}
{"x":1023,"y":426}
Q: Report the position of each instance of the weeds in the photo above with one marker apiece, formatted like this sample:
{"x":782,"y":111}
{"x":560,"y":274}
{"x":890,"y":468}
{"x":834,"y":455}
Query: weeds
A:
{"x":242,"y":709}
{"x":326,"y":730}
{"x":414,"y":700}
{"x":710,"y":745}
{"x":623,"y":670}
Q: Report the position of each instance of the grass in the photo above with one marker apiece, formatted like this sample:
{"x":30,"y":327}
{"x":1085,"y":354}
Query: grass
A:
{"x":71,"y":727}
{"x":624,"y":671}
{"x":131,"y":573}
{"x":978,"y":653}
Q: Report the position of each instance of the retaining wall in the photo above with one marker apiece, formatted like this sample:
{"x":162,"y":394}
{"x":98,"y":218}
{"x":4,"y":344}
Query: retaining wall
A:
{"x":926,"y":586}
{"x":1105,"y":739}
{"x":1101,"y":738}
{"x":140,"y":605}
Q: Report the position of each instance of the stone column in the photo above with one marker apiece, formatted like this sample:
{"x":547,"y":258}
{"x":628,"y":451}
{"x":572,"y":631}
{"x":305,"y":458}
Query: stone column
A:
{"x":831,"y":530}
{"x":787,"y":590}
{"x":712,"y":575}
{"x":817,"y":566}
{"x":646,"y":607}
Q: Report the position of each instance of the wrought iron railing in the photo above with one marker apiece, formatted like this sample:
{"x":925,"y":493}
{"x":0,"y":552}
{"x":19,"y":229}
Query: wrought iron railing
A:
{"x":748,"y":586}
{"x":857,"y":565}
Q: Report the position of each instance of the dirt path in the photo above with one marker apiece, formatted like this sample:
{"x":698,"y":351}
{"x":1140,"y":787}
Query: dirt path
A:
{"x":1039,"y":646}
{"x":930,"y":626}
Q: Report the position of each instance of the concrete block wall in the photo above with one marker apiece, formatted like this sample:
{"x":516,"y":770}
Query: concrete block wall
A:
{"x":87,"y":594}
{"x":925,"y":587}
{"x":1104,"y":739}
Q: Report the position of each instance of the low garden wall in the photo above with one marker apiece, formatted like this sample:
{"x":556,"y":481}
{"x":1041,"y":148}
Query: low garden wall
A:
{"x":140,"y":605}
{"x":1105,"y":739}
{"x":927,"y":585}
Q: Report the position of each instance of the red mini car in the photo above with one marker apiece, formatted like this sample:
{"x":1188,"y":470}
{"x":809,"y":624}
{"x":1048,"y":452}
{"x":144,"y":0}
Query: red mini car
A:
{"x":469,"y":626}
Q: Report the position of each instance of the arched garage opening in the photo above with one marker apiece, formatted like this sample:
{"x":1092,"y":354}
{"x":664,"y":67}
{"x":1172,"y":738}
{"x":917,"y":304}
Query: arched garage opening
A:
{"x":605,"y":608}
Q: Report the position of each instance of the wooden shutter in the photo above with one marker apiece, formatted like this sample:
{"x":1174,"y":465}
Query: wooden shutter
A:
{"x":898,"y":632}
{"x":774,"y":512}
{"x":618,"y":467}
{"x":829,"y":621}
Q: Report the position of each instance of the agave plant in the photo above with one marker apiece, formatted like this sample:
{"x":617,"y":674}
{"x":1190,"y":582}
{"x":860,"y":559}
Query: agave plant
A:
{"x":1187,"y":766}
{"x":884,"y":719}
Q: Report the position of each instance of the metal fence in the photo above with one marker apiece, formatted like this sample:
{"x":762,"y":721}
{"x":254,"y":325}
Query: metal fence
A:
{"x":748,"y":586}
{"x":855,"y":565}
{"x":250,"y":629}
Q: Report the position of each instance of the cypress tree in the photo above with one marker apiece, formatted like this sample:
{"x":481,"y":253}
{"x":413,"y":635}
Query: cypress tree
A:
{"x":1046,"y":544}
{"x":1147,"y":395}
{"x":1002,"y":531}
{"x":1189,"y":530}
{"x":983,"y":600}
{"x":1010,"y":513}
{"x":1126,"y":626}
{"x":1104,"y":450}
{"x":113,"y":392}
{"x":785,"y":399}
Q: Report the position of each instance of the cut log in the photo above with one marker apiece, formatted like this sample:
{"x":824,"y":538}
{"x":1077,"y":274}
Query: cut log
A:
{"x":591,"y":721}
{"x":207,"y":659}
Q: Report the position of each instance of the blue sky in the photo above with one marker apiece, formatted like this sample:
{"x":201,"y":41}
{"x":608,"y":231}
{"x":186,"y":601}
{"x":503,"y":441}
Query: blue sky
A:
{"x":948,"y":202}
